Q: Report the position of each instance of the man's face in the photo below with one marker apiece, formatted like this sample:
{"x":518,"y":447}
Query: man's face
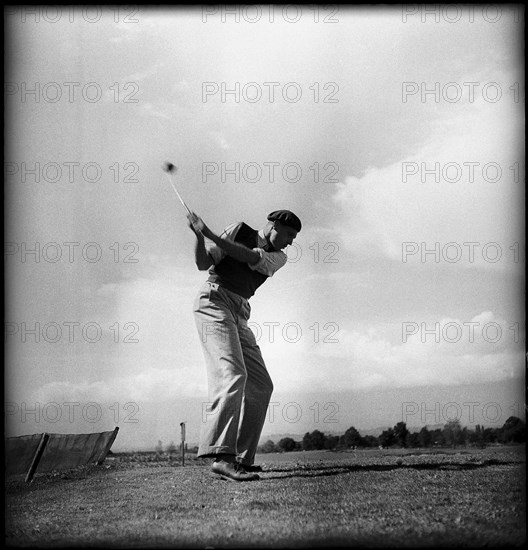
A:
{"x":282,"y":235}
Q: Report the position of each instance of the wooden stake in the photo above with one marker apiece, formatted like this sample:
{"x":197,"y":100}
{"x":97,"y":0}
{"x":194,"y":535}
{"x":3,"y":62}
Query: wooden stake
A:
{"x":182,"y":425}
{"x":107,"y":448}
{"x":37,"y":457}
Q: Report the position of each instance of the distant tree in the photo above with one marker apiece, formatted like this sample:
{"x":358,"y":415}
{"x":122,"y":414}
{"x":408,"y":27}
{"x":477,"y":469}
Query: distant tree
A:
{"x":437,"y":437}
{"x":387,"y":438}
{"x":452,"y":433}
{"x":331,"y":442}
{"x":477,"y":437}
{"x":513,"y":431}
{"x":287,"y":444}
{"x":371,"y":441}
{"x":314,"y":440}
{"x":401,"y":433}
{"x":351,"y":438}
{"x":464,"y":436}
{"x":269,"y":447}
{"x":171,"y":448}
{"x":319,"y":439}
{"x":159,"y":447}
{"x":424,"y":437}
{"x":490,"y":435}
{"x":413,"y":440}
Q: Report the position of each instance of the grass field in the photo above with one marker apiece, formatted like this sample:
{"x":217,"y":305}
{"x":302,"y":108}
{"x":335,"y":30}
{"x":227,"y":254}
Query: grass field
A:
{"x":440,"y":498}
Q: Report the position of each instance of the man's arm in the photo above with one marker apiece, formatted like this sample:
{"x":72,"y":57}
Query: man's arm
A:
{"x":270,"y":262}
{"x":235,"y":250}
{"x":202,"y":259}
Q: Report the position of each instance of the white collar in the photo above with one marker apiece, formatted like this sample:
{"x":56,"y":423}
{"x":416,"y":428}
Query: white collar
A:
{"x":262,"y":241}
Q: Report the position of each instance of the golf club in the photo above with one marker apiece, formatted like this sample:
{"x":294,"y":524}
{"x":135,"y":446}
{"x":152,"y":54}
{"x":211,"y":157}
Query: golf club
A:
{"x":169,"y":168}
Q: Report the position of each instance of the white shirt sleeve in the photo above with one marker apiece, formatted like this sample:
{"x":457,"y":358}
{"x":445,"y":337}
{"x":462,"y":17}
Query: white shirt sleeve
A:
{"x":269,"y":262}
{"x":217,"y":253}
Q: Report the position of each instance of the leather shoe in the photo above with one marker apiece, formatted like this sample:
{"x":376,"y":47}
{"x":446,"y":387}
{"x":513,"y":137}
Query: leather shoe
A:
{"x":252,"y":468}
{"x":232,"y":471}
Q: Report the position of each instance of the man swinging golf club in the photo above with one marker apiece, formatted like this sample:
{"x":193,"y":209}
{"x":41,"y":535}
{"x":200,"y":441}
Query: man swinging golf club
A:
{"x":240,"y":388}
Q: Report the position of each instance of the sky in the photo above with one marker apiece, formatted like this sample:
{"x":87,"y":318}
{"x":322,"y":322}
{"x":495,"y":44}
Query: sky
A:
{"x":395,"y":134}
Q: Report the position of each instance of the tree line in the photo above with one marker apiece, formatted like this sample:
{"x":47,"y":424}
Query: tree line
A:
{"x":451,"y":435}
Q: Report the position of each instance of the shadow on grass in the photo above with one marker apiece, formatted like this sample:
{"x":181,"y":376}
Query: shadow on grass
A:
{"x":316,"y":471}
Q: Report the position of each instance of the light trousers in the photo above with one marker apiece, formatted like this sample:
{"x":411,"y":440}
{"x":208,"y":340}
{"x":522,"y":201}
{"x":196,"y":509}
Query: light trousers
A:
{"x":239,"y":386}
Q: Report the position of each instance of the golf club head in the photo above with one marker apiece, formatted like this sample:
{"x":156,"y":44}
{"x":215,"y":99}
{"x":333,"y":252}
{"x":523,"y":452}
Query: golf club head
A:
{"x":169,"y":167}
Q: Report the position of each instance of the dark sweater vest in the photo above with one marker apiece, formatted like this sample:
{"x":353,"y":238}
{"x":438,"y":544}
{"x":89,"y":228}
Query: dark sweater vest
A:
{"x":237,"y":276}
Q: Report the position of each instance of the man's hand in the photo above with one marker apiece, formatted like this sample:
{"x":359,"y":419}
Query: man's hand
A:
{"x":196,"y":223}
{"x":235,"y":250}
{"x":198,"y":226}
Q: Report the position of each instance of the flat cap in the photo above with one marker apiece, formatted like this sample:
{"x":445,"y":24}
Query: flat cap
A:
{"x":287,"y":218}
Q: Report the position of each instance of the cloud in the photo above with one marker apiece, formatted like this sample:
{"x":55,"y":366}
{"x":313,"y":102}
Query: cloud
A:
{"x":460,"y":187}
{"x":152,"y":352}
{"x":220,"y":140}
{"x":149,"y":109}
{"x":151,"y":385}
{"x":446,"y":352}
{"x":181,"y":86}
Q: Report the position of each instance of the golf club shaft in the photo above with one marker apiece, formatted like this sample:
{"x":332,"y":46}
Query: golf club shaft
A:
{"x":179,"y":196}
{"x":176,"y":191}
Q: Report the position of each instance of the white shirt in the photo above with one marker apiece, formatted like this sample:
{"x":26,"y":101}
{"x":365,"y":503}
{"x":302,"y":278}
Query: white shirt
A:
{"x":269,"y":262}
